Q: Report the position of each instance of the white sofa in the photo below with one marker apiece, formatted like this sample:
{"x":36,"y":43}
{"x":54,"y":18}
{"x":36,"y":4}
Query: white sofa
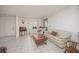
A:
{"x":59,"y":40}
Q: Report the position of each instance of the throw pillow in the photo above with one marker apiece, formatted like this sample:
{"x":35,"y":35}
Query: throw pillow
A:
{"x":54,"y":33}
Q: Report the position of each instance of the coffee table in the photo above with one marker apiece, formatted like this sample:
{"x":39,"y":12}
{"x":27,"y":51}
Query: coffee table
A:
{"x":40,"y":39}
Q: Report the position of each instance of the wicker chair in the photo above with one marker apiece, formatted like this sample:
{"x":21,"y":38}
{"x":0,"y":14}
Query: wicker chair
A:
{"x":71,"y":47}
{"x":3,"y":50}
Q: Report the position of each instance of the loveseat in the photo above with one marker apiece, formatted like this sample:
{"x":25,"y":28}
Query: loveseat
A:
{"x":59,"y":37}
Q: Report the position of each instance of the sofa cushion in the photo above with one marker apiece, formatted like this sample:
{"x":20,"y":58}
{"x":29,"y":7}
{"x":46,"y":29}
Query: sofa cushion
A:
{"x":64,"y":35}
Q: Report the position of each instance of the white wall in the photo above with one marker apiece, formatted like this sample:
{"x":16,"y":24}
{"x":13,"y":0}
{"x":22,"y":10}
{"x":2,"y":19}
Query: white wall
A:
{"x":7,"y":25}
{"x":67,"y":19}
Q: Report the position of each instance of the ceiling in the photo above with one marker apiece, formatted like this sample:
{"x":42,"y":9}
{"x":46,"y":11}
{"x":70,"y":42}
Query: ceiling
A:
{"x":31,"y":11}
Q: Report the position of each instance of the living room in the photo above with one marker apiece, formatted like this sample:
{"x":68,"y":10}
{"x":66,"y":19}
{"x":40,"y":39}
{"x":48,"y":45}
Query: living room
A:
{"x":36,"y":20}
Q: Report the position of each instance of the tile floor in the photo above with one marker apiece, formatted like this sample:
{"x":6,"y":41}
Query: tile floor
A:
{"x":26,"y":44}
